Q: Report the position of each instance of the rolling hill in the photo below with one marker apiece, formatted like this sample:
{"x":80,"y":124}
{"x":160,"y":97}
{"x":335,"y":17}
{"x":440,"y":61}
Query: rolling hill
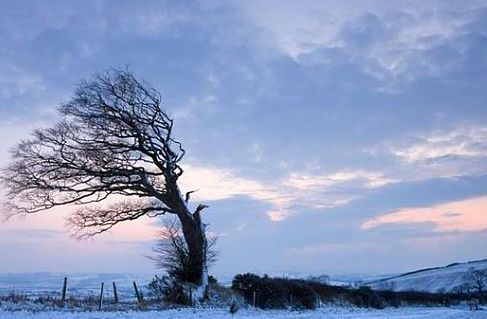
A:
{"x":439,"y":279}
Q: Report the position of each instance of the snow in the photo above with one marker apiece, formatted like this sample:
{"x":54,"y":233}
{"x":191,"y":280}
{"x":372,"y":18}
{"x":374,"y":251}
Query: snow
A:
{"x":79,"y":284}
{"x":447,"y":278}
{"x":328,"y":312}
{"x":83,"y":284}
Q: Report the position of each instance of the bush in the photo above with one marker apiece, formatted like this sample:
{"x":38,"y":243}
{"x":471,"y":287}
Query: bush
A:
{"x":282,"y":293}
{"x":303,"y":296}
{"x":275,"y":292}
{"x":157,"y":286}
{"x":169,"y":290}
{"x":171,"y":253}
{"x":368,"y":298}
{"x":212,"y":281}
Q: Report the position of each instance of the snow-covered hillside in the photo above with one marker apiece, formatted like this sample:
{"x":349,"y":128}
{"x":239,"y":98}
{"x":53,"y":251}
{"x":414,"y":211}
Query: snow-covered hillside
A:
{"x":448,"y":278}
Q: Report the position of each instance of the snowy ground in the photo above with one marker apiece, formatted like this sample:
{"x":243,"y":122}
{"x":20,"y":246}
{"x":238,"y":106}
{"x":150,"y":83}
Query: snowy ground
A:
{"x":78,"y":284}
{"x":329,"y":313}
{"x":448,"y":278}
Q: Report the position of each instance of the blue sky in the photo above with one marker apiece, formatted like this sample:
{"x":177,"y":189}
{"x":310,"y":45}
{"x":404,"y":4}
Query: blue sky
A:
{"x":326,"y":136}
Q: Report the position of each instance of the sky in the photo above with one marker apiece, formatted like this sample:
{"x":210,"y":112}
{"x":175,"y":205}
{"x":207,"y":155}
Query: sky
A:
{"x":325,"y":136}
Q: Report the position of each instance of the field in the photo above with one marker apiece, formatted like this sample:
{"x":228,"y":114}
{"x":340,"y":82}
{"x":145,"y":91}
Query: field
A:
{"x":448,"y":278}
{"x":31,"y":290}
{"x":327,"y":312}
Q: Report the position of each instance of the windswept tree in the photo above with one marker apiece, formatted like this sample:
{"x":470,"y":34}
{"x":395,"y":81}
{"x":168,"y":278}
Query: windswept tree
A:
{"x":113,"y":155}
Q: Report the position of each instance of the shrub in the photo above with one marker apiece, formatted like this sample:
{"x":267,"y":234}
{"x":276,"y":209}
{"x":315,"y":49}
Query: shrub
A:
{"x":368,"y":298}
{"x":169,"y":290}
{"x":275,"y":292}
{"x":171,"y":253}
{"x":281,"y":293}
{"x":212,"y":280}
{"x":303,"y":296}
{"x":246,"y":284}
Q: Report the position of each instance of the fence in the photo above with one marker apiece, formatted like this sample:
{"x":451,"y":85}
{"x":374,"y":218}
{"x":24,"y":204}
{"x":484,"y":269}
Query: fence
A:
{"x":64,"y":291}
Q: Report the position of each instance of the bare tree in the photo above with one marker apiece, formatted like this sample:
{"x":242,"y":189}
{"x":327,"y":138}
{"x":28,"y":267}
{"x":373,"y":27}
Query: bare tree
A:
{"x":171,"y":252}
{"x":477,"y":279}
{"x":114,"y":155}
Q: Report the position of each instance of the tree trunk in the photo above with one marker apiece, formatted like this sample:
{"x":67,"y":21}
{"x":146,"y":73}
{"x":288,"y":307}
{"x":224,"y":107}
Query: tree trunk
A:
{"x":194,"y":235}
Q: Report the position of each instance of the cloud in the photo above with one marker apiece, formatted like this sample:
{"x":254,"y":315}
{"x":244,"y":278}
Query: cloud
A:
{"x":391,"y":41}
{"x":459,"y":150}
{"x":218,"y":184}
{"x":339,"y":247}
{"x":25,"y":94}
{"x":31,"y":234}
{"x":15,"y":81}
{"x":435,"y":240}
{"x":407,"y":195}
{"x":307,"y":182}
{"x":462,"y":142}
{"x":460,"y":216}
{"x":315,"y":192}
{"x":156,"y":17}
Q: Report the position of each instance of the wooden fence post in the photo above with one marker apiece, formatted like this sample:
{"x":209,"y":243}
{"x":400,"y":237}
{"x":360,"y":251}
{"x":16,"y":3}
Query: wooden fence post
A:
{"x":115,"y":294}
{"x":137,"y":294}
{"x":254,"y":297}
{"x":65,"y":287}
{"x":190,"y":296}
{"x":101,"y":297}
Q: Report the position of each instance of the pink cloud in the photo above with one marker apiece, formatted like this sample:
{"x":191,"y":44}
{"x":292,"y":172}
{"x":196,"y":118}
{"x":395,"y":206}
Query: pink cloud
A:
{"x":464,"y":216}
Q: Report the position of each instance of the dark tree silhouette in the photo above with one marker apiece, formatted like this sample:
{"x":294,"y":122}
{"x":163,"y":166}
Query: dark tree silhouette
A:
{"x":112,"y":154}
{"x":477,"y":279}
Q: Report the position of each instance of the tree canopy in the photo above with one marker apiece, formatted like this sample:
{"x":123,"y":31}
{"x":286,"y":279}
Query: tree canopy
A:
{"x":113,"y":155}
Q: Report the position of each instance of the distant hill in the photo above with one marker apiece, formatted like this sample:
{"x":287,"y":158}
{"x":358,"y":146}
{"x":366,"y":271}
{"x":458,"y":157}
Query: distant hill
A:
{"x":438,"y":279}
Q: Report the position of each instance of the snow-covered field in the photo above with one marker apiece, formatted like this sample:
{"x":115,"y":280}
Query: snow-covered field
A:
{"x":447,"y":278}
{"x":329,"y":313}
{"x":79,"y":284}
{"x":39,"y":284}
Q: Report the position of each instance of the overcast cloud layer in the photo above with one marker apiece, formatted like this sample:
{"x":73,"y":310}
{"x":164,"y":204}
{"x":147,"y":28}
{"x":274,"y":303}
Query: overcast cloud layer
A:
{"x":320,"y":133}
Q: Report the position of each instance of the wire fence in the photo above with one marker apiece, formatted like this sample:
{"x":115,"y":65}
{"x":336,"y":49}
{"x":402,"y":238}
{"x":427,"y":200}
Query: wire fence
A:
{"x":115,"y":291}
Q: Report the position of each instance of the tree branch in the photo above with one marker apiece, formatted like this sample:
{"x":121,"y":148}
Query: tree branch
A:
{"x":113,"y":139}
{"x":89,"y":221}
